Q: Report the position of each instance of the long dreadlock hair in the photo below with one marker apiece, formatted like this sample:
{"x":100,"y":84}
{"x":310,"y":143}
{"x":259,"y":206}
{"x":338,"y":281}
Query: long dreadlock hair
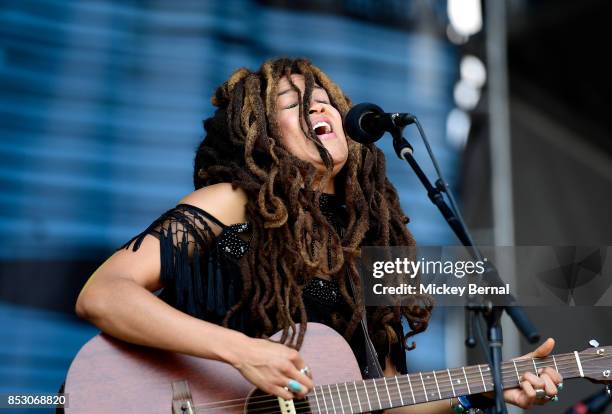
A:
{"x":243,"y":146}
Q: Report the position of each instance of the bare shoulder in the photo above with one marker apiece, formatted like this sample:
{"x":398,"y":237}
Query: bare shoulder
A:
{"x":221,"y":201}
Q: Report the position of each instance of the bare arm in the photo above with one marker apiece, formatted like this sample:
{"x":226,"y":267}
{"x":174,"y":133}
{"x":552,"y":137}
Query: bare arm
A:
{"x":118,"y":299}
{"x":120,"y":303}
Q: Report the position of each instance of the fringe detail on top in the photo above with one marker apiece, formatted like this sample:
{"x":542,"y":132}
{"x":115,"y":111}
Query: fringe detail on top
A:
{"x":199,"y":271}
{"x":208,"y":282}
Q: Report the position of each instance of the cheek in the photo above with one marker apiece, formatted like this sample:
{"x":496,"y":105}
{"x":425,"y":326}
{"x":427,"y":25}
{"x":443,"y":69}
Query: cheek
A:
{"x":291,"y":136}
{"x":287,"y":132}
{"x":288,"y":126}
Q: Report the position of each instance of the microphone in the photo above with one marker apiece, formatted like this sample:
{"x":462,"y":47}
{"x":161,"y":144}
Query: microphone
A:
{"x":366,"y":123}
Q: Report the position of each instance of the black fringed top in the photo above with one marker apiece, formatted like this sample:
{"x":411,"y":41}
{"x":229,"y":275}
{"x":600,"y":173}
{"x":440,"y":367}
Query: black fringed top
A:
{"x":207,"y":284}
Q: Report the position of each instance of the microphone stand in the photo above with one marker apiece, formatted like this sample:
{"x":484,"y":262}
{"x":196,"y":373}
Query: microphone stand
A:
{"x":476,"y":306}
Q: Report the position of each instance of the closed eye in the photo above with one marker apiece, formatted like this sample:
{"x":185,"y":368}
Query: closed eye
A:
{"x":293,"y":105}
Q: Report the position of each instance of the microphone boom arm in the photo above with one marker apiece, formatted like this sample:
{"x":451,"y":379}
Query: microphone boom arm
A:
{"x":491,"y":314}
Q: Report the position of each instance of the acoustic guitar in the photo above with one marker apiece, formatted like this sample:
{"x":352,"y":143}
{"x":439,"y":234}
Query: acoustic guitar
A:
{"x":111,"y":376}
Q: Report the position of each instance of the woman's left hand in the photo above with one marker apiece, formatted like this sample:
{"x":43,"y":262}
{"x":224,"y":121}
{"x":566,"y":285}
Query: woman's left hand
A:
{"x":548,"y":380}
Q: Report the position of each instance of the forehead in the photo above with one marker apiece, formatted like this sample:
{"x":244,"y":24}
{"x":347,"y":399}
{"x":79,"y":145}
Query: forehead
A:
{"x":298,"y":80}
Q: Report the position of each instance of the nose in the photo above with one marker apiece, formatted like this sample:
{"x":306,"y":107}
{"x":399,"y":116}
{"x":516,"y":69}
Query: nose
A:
{"x":316,"y":107}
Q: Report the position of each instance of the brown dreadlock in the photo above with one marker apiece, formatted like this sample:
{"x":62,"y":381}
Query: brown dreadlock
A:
{"x":243,"y":146}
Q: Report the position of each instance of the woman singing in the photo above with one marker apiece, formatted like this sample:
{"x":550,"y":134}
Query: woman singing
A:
{"x":283,"y":202}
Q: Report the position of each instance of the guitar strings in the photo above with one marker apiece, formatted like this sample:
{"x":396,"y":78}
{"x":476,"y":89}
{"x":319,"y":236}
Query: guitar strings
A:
{"x":337,"y":403}
{"x":562,"y":358}
{"x":445,"y":386}
{"x":350,"y":404}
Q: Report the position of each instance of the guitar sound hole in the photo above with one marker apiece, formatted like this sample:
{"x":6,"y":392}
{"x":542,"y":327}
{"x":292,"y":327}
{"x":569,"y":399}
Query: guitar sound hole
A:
{"x":261,"y":403}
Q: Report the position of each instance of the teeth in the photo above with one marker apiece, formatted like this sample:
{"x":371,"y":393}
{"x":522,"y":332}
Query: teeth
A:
{"x":324,"y":124}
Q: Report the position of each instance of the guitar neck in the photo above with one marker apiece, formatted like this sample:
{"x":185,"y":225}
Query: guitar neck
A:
{"x":401,"y":390}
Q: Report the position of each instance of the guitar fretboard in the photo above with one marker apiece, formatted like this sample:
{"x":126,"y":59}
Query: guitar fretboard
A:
{"x":390,"y":392}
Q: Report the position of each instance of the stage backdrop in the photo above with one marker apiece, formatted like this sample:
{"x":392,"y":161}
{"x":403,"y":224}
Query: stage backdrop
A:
{"x":101,"y":111}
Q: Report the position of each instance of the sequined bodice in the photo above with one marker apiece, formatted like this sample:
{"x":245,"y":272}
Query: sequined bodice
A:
{"x":206,"y":285}
{"x":324,"y":290}
{"x":231,"y":243}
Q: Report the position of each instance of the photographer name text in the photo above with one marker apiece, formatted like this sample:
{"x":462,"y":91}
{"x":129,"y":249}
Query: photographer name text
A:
{"x":440,"y":289}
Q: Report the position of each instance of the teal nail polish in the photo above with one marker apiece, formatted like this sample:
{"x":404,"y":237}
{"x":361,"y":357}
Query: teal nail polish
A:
{"x":560,"y":386}
{"x":458,"y":409}
{"x":555,"y":399}
{"x":294,"y":386}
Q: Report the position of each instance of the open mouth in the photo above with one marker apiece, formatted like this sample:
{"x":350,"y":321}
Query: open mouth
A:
{"x":322,"y":128}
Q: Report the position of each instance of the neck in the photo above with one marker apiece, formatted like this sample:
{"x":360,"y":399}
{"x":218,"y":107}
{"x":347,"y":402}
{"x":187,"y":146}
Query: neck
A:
{"x":390,"y":392}
{"x":329,"y":187}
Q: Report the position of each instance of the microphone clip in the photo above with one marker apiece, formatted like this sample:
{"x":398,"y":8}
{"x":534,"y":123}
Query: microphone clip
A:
{"x":400,"y":144}
{"x":401,"y":120}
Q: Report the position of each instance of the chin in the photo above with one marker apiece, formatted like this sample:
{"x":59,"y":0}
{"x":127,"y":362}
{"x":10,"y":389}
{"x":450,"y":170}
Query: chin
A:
{"x":339,"y":160}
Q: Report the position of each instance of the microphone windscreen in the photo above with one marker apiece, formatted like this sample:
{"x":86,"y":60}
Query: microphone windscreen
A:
{"x":354,"y":126}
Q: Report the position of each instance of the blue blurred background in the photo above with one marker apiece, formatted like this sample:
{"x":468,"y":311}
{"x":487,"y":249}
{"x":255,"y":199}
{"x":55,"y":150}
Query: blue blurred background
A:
{"x":101,"y":111}
{"x":101,"y":108}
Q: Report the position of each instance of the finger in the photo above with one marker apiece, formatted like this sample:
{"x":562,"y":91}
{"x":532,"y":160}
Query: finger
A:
{"x":541,"y":351}
{"x":528,"y":388}
{"x":549,"y":385}
{"x":299,"y":363}
{"x":522,"y":400}
{"x":306,"y":371}
{"x":536,"y":382}
{"x":553,"y":374}
{"x":289,"y":370}
{"x":289,"y":383}
{"x":301,"y":378}
{"x":281,"y":392}
{"x":529,"y":394}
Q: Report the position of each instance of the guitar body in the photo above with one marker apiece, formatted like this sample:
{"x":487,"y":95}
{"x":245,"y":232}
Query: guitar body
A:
{"x":112,"y":376}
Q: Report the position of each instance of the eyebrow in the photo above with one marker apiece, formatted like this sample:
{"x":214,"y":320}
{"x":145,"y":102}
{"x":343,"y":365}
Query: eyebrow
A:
{"x":291,"y":90}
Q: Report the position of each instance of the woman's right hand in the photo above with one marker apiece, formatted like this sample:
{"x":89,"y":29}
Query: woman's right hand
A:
{"x":270,"y":366}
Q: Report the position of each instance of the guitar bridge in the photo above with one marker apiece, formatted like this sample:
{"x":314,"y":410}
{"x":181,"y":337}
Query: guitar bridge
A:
{"x":182,"y":402}
{"x":286,"y":406}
